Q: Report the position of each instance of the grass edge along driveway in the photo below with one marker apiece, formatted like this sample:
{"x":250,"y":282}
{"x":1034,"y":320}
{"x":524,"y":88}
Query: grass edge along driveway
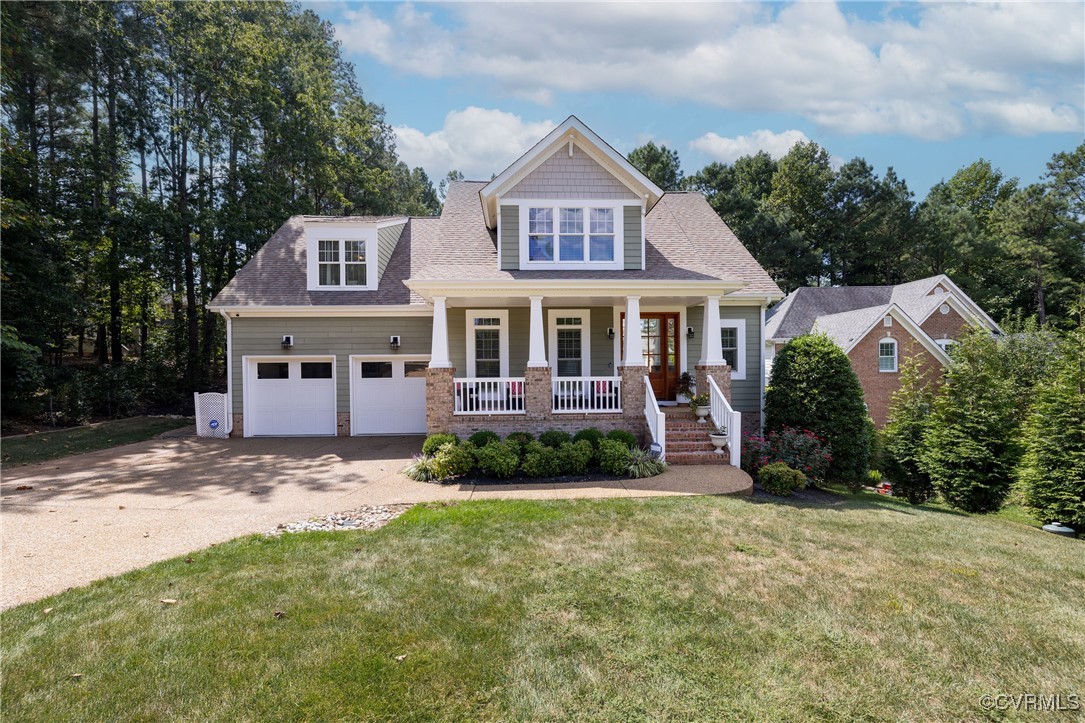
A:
{"x":63,"y":442}
{"x":687,"y":608}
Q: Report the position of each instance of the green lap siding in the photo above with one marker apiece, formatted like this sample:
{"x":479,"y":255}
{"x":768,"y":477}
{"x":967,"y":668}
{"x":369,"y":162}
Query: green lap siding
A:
{"x":341,"y":337}
{"x":387,"y":238}
{"x":632,"y":237}
{"x":510,"y":238}
{"x":745,"y":394}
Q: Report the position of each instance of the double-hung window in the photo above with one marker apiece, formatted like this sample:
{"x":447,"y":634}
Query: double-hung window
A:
{"x":565,"y":234}
{"x":733,"y":345}
{"x":342,"y":263}
{"x":887,"y":355}
{"x":329,"y":262}
{"x":487,"y":343}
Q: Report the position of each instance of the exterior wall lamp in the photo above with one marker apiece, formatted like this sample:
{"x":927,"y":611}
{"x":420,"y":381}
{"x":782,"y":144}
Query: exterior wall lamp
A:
{"x":393,"y":342}
{"x":689,"y":332}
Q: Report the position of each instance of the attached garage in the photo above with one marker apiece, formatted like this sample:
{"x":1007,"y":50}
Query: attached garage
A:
{"x":388,"y":395}
{"x":289,"y":396}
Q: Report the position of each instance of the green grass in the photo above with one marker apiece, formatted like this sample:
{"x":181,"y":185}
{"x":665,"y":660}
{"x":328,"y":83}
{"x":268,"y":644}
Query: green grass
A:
{"x":667,"y":608}
{"x":43,"y":446}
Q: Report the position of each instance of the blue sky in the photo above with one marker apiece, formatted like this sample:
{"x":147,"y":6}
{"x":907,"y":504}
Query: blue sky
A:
{"x":923,"y":87}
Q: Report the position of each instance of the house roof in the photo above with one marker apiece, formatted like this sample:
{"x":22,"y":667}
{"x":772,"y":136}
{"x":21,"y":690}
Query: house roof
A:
{"x":685,"y":241}
{"x":846,"y":327}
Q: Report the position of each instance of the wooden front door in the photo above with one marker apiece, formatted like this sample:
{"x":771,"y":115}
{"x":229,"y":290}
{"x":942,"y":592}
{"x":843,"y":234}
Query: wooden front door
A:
{"x":662,"y":355}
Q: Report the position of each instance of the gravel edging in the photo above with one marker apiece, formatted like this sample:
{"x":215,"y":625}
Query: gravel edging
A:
{"x":370,"y":517}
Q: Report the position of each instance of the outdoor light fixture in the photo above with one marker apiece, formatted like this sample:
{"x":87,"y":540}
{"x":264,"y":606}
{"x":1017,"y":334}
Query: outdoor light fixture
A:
{"x":288,"y":341}
{"x":610,"y":332}
{"x":689,"y":332}
{"x":393,"y":342}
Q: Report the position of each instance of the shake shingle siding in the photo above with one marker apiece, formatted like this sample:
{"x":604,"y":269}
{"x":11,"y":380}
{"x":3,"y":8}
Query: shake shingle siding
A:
{"x":340,"y":336}
{"x":579,"y":176}
{"x":510,"y":237}
{"x":745,"y":393}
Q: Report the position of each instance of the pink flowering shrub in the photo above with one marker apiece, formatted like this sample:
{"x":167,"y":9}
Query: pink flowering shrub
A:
{"x":799,"y":449}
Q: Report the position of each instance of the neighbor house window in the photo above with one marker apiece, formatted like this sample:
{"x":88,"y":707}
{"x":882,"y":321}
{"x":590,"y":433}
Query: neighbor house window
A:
{"x":571,"y":234}
{"x":487,"y":343}
{"x":887,"y":355}
{"x":944,"y":344}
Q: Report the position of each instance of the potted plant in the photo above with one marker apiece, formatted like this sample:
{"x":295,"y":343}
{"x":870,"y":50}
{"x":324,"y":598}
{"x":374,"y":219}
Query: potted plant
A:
{"x":699,"y":404}
{"x":719,"y":439}
{"x":684,"y":389}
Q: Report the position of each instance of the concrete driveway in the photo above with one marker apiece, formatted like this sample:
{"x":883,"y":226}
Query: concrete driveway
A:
{"x":82,"y":518}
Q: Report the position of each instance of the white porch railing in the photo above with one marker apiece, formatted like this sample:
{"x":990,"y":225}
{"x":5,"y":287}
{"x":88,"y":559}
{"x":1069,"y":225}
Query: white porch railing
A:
{"x":489,"y":395}
{"x":724,"y":416}
{"x":595,"y":395}
{"x":657,"y":421}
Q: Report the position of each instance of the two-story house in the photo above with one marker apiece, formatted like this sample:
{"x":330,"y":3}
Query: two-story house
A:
{"x":568,"y":292}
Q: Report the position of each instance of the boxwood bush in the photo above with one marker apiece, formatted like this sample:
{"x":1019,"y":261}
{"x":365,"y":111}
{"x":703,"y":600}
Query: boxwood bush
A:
{"x":620,"y":435}
{"x":576,"y":457}
{"x":554,"y":438}
{"x":613,"y":457}
{"x":779,"y":479}
{"x":499,"y":459}
{"x":483,"y":437}
{"x":541,"y":461}
{"x":520,"y":439}
{"x":454,"y":460}
{"x":436,"y":441}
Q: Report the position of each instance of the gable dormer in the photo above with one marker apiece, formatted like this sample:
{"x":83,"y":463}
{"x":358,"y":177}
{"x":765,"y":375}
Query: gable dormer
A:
{"x":349,"y":254}
{"x":570,"y":203}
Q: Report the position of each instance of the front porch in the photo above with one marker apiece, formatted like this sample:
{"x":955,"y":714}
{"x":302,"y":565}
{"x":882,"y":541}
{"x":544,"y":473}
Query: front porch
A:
{"x":538,"y":363}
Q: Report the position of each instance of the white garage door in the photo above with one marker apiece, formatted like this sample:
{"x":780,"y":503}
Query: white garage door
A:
{"x":289,"y":397}
{"x":389,"y":396}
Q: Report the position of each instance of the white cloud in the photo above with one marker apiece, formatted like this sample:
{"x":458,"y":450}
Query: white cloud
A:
{"x":937,"y":76}
{"x":728,"y":150}
{"x":478,"y":142}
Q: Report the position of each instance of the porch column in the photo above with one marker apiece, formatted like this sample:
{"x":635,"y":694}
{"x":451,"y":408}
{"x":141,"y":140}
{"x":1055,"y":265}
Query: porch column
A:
{"x":438,"y":356}
{"x":634,"y":355}
{"x":711,"y":341}
{"x":536,"y":356}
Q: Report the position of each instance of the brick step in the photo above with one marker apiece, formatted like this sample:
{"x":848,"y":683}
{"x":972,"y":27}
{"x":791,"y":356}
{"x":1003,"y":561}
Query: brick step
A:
{"x":699,"y":433}
{"x":691,"y":423}
{"x":683,"y":445}
{"x":680,"y":458}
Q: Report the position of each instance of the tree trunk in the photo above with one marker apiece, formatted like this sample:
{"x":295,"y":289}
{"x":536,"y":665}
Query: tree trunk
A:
{"x":117,"y":349}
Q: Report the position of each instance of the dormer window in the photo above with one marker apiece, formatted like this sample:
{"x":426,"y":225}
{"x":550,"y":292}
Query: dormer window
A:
{"x":342,"y":257}
{"x":566,"y":236}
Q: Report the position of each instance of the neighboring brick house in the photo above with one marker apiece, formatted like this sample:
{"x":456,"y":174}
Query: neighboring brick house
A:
{"x":568,"y":292}
{"x":879,"y":327}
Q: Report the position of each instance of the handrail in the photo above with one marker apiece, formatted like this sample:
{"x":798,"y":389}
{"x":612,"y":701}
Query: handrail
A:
{"x":723,"y":415}
{"x":586,"y":395}
{"x":657,"y":421}
{"x":488,"y":395}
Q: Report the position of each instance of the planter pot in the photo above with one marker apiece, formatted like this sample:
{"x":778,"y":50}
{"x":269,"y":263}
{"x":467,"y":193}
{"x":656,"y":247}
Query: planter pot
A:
{"x":719,"y":441}
{"x":701,"y":413}
{"x":681,"y":398}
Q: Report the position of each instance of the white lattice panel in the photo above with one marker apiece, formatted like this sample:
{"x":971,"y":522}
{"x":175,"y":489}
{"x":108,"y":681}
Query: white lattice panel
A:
{"x":211,"y":418}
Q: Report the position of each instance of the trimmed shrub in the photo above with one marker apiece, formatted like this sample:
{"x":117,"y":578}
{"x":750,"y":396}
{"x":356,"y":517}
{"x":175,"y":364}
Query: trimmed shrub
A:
{"x":576,"y":457}
{"x":909,"y":413}
{"x":620,"y":435}
{"x":590,"y":435}
{"x":641,"y":463}
{"x":436,"y":441}
{"x":613,"y":457}
{"x":554,"y":438}
{"x":779,"y":479}
{"x":541,"y":461}
{"x":499,"y":459}
{"x":520,"y":439}
{"x":483,"y":437}
{"x":970,"y":445}
{"x":814,"y":387}
{"x":420,"y":469}
{"x":799,"y":449}
{"x":454,"y":460}
{"x":1052,"y":472}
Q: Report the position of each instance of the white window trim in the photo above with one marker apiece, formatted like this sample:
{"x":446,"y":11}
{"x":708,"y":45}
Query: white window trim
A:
{"x":945,"y":344}
{"x":618,"y":207}
{"x":503,"y":337}
{"x":896,"y":354}
{"x":585,"y":338}
{"x":248,"y":377}
{"x":321,"y":232}
{"x":738,"y":371}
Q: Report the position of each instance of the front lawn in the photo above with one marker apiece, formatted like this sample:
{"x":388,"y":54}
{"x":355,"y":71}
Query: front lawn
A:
{"x":666,"y":608}
{"x":42,"y":446}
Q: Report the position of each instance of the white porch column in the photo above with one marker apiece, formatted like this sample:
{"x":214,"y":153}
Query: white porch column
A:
{"x":438,"y":355}
{"x":536,"y":356}
{"x":711,"y":341}
{"x":634,"y":355}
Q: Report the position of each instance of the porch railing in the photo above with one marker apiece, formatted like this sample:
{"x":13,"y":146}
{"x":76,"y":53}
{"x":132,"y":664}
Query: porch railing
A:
{"x":591,"y":395}
{"x":657,"y":421}
{"x":724,"y":416}
{"x":489,"y":395}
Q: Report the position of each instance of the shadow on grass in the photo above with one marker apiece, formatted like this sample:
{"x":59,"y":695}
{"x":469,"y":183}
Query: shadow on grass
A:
{"x":840,"y":499}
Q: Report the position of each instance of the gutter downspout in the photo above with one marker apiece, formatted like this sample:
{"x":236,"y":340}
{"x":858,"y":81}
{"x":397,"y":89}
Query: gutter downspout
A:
{"x":229,"y":373}
{"x":762,"y":370}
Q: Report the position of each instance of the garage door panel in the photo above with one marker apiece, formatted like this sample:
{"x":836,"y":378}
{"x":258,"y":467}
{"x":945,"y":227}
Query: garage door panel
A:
{"x":385,"y":400}
{"x":294,"y":398}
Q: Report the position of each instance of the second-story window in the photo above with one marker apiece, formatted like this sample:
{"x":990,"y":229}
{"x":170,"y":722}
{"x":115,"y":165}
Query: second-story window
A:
{"x":540,"y":229}
{"x":582,"y":234}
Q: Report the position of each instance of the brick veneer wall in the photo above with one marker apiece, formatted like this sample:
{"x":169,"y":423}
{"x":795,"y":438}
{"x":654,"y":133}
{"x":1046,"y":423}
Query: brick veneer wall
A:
{"x":720,"y":372}
{"x":944,"y":326}
{"x":879,"y":386}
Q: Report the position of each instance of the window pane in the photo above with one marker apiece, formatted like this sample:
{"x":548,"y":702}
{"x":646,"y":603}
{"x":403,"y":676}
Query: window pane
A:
{"x":273,"y":370}
{"x":487,"y":321}
{"x":887,"y":356}
{"x":488,"y":368}
{"x":572,"y":220}
{"x":540,"y":248}
{"x":356,"y":274}
{"x":413,"y":370}
{"x":487,"y":353}
{"x":329,"y":274}
{"x":572,"y":248}
{"x":540,"y":220}
{"x":316,"y":370}
{"x":602,"y":248}
{"x":569,"y":321}
{"x":329,"y":252}
{"x":376,"y":370}
{"x":569,"y":357}
{"x":602,"y":220}
{"x":354,"y":252}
